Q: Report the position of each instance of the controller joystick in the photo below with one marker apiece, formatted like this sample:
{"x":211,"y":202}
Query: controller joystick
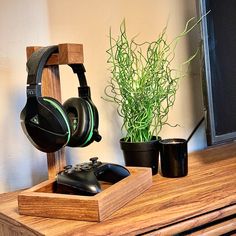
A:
{"x":83,"y":179}
{"x":94,"y":160}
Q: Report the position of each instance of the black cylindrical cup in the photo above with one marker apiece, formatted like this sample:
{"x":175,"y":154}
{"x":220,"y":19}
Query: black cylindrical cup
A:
{"x":174,"y":157}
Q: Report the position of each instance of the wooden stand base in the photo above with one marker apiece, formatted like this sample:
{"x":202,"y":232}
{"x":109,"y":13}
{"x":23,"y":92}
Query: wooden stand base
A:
{"x":41,"y":200}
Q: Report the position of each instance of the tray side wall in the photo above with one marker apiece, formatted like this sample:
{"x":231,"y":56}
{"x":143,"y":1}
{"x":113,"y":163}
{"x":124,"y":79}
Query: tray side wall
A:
{"x":35,"y":202}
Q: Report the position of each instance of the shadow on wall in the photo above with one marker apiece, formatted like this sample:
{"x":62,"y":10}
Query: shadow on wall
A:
{"x":91,"y":28}
{"x":193,"y":43}
{"x":195,"y":84}
{"x":188,"y":109}
{"x":21,"y":165}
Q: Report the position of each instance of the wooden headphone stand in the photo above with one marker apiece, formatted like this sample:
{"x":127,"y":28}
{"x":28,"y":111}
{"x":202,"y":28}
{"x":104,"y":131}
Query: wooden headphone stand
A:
{"x":42,"y":199}
{"x":68,"y":54}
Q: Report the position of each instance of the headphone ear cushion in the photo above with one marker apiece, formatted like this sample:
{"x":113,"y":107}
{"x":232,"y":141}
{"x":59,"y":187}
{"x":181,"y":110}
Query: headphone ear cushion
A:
{"x":80,"y":114}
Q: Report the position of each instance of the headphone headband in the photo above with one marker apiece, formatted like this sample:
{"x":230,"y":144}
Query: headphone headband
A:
{"x":37,"y":62}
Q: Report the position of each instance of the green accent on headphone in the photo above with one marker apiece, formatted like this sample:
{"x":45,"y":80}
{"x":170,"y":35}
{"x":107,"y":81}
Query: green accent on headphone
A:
{"x":92,"y":125}
{"x":74,"y":124}
{"x":54,"y":104}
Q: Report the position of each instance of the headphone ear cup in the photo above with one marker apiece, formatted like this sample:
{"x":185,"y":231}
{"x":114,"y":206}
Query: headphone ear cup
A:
{"x":80,"y":114}
{"x":59,"y":112}
{"x":46,"y":126}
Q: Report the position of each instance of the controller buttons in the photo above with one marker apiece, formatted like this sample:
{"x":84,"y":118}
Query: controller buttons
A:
{"x":67,"y":167}
{"x":85,"y":167}
{"x":100,"y":172}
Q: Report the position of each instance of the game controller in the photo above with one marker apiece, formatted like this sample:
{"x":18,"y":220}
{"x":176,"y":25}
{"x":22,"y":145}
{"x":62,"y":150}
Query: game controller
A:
{"x":83,"y":179}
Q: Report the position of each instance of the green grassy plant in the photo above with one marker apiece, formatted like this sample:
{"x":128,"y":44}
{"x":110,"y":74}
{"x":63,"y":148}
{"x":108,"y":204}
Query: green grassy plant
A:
{"x":143,"y":83}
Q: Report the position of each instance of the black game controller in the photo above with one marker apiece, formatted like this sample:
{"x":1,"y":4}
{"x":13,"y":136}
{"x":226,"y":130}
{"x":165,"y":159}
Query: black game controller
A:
{"x":83,"y":179}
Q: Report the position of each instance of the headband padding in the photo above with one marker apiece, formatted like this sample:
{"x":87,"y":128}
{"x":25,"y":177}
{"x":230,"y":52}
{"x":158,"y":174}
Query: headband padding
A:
{"x":36,"y":63}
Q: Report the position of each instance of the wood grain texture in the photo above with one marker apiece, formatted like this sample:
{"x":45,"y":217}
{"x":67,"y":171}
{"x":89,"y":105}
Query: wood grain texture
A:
{"x":71,"y":54}
{"x":41,"y":200}
{"x":219,"y":229}
{"x":208,"y":193}
{"x":197,"y":221}
{"x":68,"y":54}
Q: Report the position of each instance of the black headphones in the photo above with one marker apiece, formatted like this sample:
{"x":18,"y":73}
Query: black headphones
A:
{"x":50,"y":125}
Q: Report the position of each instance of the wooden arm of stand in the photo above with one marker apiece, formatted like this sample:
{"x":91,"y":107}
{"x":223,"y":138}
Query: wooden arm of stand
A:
{"x":68,"y":54}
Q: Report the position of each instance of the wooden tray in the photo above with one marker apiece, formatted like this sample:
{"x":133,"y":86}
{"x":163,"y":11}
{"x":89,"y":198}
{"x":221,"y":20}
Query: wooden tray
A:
{"x":41,"y":200}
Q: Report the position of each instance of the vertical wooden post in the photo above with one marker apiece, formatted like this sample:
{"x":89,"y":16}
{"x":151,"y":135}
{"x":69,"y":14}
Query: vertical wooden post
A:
{"x":68,"y":54}
{"x":51,"y":88}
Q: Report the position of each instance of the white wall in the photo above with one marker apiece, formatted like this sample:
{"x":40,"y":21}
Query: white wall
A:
{"x":44,"y":22}
{"x":22,"y":23}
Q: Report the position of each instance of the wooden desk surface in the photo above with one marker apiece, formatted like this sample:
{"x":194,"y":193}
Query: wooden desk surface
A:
{"x":170,"y":205}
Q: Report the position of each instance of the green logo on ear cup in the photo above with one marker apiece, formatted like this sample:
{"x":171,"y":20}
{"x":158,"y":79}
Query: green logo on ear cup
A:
{"x":55,"y":105}
{"x":35,"y":120}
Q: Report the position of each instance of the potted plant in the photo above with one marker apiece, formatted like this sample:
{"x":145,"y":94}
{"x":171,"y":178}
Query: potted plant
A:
{"x":143,"y":85}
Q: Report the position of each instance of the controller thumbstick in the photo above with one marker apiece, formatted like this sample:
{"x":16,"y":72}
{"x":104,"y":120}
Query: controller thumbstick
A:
{"x":94,"y":160}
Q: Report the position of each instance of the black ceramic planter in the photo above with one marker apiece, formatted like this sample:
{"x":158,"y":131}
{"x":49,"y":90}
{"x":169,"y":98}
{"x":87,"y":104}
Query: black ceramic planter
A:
{"x":142,"y":154}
